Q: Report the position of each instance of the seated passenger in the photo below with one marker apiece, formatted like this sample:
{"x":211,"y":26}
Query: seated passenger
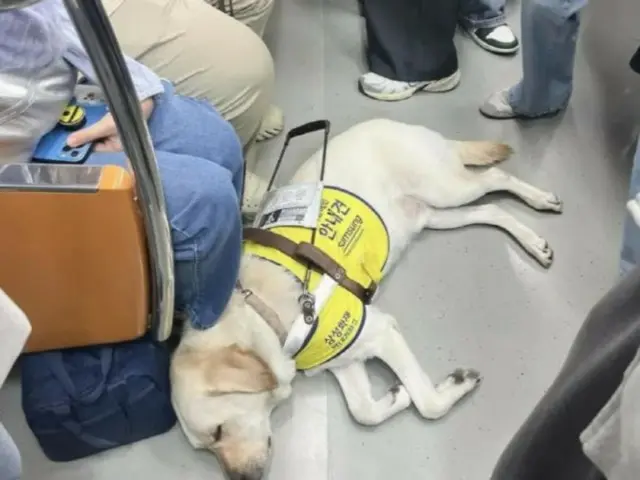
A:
{"x":199,"y":154}
{"x":208,"y":55}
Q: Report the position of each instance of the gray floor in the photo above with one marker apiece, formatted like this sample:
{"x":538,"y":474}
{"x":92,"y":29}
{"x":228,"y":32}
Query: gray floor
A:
{"x":464,"y":297}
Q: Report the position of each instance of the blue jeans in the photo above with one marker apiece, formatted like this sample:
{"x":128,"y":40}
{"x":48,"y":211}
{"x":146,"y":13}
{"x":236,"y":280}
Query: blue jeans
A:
{"x":201,"y":165}
{"x":482,"y":13}
{"x":10,"y":463}
{"x":631,"y":234}
{"x":549,"y":35}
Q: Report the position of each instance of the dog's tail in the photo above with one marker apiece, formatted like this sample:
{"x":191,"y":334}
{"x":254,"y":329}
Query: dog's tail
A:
{"x":482,"y":153}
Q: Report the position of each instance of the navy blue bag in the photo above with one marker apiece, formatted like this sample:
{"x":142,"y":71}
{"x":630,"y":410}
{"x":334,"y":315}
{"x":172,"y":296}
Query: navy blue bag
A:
{"x":79,"y":402}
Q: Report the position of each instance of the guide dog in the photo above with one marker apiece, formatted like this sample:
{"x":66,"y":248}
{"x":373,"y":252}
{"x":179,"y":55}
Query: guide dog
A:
{"x":226,"y":380}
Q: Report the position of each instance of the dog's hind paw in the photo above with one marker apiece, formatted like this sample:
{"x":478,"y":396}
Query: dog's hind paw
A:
{"x":549,"y":203}
{"x":542,"y":252}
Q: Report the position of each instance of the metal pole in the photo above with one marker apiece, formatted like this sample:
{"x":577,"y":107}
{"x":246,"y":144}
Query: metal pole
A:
{"x":100,"y":42}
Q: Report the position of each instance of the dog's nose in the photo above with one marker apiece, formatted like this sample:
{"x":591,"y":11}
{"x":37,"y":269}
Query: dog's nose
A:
{"x":255,"y":474}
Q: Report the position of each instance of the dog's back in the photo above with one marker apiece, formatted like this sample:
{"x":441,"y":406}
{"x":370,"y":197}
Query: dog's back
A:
{"x":399,"y":169}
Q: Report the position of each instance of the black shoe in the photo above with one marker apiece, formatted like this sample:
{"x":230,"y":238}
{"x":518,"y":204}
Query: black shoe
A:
{"x":498,"y":39}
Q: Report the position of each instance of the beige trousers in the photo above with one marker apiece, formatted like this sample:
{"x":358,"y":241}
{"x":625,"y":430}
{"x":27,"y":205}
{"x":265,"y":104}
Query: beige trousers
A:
{"x":253,"y":13}
{"x":204,"y":52}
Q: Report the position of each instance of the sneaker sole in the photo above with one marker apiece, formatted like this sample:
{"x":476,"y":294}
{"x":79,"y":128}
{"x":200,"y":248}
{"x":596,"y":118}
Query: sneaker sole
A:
{"x":490,"y":48}
{"x":437,"y":86}
{"x":498,"y":117}
{"x":517,"y":116}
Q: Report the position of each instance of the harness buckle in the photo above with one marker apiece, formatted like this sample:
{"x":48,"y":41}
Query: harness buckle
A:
{"x":369,"y":292}
{"x":308,"y":304}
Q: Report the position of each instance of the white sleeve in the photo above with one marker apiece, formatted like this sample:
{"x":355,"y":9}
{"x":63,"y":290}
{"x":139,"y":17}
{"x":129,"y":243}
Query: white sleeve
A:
{"x":14,"y":331}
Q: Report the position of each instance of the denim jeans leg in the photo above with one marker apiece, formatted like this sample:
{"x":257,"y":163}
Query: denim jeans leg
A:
{"x":201,"y":165}
{"x":482,"y":13}
{"x":549,"y":36}
{"x":10,"y":463}
{"x":189,"y":126}
{"x":200,"y":162}
{"x":206,"y":229}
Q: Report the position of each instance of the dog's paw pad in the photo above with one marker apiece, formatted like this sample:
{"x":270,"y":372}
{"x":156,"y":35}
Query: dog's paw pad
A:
{"x":466,"y":378}
{"x":462,"y":375}
{"x":400,"y":395}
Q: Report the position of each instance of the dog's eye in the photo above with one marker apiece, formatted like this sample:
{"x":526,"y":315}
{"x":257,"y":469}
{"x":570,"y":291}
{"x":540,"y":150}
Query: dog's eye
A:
{"x":217,"y":435}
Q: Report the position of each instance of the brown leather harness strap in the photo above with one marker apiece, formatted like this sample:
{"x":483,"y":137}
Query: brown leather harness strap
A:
{"x":265,"y":311}
{"x":313,"y":256}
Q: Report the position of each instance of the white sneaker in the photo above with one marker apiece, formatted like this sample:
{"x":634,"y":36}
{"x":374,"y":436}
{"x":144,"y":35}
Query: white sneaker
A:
{"x":497,"y":106}
{"x":500,"y":39}
{"x":387,"y":90}
{"x":272,"y":124}
{"x":254,"y":190}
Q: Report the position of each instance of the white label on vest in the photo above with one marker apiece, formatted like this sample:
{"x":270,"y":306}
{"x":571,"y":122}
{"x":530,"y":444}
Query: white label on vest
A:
{"x":291,"y":206}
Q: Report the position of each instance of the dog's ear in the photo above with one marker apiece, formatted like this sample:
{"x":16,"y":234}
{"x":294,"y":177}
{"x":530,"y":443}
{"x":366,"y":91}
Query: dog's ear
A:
{"x":236,"y":370}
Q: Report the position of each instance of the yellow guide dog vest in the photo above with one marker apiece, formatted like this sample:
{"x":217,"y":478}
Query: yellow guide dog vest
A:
{"x":351,"y":232}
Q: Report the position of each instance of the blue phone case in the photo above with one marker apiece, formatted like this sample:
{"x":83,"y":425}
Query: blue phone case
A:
{"x":53,"y":148}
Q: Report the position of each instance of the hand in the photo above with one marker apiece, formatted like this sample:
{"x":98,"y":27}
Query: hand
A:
{"x":104,"y":132}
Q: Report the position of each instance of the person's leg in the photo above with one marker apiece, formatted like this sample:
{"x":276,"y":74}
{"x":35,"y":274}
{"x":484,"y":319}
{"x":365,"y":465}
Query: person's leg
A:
{"x":630,"y":255}
{"x":409,"y":47}
{"x":486,"y":24}
{"x":193,"y":127}
{"x":253,"y":13}
{"x":10,"y":463}
{"x":549,"y":37}
{"x":205,"y":54}
{"x":200,"y":161}
{"x":206,"y":231}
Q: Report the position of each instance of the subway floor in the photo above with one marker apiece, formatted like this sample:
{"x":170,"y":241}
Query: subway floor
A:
{"x":469,"y":297}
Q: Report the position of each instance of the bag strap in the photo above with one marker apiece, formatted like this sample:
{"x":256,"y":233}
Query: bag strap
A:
{"x":55,"y":362}
{"x":96,"y":442}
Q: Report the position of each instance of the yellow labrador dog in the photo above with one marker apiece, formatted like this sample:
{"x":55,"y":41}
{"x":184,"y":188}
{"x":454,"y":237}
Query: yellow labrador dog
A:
{"x":226,"y":380}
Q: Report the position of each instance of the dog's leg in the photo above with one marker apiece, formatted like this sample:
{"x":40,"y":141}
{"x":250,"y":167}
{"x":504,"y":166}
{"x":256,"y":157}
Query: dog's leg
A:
{"x":356,"y":388}
{"x":535,"y":245}
{"x":473,"y":185}
{"x":390,"y":347}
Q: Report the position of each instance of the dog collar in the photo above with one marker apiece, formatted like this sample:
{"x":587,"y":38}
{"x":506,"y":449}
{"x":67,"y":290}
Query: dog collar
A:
{"x":263,"y":310}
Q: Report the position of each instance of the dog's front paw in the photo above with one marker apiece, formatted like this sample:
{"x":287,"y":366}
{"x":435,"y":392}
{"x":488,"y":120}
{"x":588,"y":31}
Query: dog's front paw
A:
{"x":465,"y":375}
{"x":282,"y":392}
{"x":286,"y":372}
{"x":462,"y":381}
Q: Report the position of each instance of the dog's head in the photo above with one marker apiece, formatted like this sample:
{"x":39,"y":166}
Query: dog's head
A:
{"x":224,"y":399}
{"x":224,"y":394}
